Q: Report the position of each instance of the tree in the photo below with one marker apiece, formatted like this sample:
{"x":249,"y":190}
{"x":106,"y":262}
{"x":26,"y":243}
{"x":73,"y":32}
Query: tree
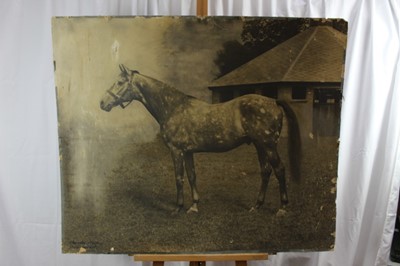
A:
{"x":231,"y":56}
{"x":260,"y":35}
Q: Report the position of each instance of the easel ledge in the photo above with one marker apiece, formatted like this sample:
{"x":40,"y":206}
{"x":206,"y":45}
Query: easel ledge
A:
{"x":240,"y":258}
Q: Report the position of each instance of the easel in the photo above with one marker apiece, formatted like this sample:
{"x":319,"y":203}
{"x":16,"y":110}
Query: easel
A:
{"x":200,"y":259}
{"x":202,"y":8}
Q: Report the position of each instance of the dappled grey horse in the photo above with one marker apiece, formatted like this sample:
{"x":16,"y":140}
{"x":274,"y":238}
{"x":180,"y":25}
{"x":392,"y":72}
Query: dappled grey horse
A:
{"x":189,"y":125}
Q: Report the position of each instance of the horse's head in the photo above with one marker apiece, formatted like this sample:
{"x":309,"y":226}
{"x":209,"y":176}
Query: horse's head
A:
{"x":122,"y":92}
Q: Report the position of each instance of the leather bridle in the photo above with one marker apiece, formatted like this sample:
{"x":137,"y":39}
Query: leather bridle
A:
{"x":118,"y":97}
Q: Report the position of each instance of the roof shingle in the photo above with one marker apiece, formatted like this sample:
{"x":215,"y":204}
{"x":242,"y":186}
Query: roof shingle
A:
{"x":315,"y":55}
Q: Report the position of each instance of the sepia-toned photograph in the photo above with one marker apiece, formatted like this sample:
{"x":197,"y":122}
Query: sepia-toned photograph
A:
{"x":198,"y":135}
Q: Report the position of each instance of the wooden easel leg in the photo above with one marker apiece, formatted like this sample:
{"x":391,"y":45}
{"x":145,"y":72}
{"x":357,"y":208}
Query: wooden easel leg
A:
{"x":197,"y":263}
{"x":202,"y":6}
{"x":241,"y":263}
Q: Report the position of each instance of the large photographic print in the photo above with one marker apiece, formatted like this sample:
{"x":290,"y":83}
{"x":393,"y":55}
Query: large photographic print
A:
{"x":198,"y":135}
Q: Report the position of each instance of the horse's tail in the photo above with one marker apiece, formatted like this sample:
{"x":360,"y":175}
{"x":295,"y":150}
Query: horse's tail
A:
{"x":294,"y":146}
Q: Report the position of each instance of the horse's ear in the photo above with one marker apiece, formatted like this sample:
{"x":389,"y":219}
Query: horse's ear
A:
{"x":123,"y":69}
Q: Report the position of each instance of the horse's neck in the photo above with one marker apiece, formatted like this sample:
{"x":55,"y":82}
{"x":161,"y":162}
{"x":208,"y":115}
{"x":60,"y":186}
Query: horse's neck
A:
{"x":159,"y":98}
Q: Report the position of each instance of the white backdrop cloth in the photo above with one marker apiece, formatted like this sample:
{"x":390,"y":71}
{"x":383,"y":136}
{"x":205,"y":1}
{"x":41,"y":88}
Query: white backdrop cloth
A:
{"x":369,"y":161}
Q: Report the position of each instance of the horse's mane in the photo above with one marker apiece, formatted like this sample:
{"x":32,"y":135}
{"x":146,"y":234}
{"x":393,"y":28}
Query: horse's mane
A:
{"x":166,"y":88}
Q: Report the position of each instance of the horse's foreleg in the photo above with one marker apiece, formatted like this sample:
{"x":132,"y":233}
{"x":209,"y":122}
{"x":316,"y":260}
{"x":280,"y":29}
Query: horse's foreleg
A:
{"x":266,"y":170}
{"x":191,"y":174}
{"x":177,"y":157}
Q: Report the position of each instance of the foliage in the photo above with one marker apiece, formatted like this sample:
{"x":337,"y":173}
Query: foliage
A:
{"x":260,"y":35}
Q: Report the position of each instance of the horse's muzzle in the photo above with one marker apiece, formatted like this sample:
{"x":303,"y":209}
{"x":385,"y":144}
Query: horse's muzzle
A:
{"x":105,"y":107}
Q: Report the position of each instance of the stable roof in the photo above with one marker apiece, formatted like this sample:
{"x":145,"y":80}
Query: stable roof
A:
{"x":315,"y":55}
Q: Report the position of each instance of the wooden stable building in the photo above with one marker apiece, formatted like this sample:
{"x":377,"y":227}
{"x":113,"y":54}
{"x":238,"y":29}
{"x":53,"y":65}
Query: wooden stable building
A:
{"x":306,"y":71}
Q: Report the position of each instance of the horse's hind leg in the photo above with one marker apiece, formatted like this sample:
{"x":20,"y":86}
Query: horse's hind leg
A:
{"x":191,"y":174}
{"x":269,"y":159}
{"x":279,"y":170}
{"x":266,"y":170}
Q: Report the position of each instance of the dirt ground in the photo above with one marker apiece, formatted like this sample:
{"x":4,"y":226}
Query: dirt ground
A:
{"x":125,"y":205}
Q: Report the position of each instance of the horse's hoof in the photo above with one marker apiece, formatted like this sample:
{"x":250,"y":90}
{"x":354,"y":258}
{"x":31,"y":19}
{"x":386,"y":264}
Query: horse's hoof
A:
{"x":257,"y":207}
{"x":253,"y":209}
{"x":177,"y":211}
{"x":281,"y":213}
{"x":192,"y":209}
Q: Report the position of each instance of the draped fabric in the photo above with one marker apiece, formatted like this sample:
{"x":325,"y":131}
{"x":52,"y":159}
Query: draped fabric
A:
{"x":369,"y":160}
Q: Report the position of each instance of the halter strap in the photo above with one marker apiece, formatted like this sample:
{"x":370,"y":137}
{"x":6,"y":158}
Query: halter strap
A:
{"x":118,"y":99}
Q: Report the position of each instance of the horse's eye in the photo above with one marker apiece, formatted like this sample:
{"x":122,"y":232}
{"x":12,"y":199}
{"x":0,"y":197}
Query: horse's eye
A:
{"x":120,"y":83}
